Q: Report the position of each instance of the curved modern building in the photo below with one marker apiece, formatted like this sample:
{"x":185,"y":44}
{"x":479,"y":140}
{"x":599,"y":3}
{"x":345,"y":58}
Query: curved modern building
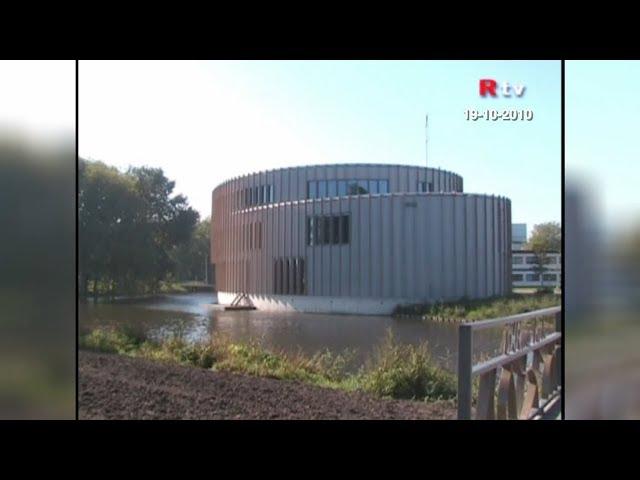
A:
{"x":357,"y":238}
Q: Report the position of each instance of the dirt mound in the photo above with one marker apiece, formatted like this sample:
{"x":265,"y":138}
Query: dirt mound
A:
{"x":118,"y":387}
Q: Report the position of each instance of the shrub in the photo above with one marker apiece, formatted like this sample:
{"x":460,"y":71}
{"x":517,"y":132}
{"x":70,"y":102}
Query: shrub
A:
{"x":406,"y":371}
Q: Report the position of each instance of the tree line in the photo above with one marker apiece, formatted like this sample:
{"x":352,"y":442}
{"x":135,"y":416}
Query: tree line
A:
{"x":135,"y":235}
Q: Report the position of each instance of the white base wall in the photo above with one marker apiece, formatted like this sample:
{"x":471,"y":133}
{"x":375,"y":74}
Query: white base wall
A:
{"x":305,"y":303}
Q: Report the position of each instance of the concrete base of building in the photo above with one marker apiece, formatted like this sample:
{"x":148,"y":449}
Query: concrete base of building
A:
{"x":300,"y":303}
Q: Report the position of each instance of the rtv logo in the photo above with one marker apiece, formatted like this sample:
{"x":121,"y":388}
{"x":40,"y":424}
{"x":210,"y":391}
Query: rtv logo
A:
{"x":489,"y":86}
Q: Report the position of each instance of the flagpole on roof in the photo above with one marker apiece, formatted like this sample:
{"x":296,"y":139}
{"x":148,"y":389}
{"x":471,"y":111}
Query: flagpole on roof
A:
{"x":426,"y":140}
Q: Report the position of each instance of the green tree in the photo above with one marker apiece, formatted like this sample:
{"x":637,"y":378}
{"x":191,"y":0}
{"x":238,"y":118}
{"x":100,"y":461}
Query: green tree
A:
{"x":192,"y":258}
{"x":545,"y":238}
{"x":129,"y":223}
{"x":105,"y":209}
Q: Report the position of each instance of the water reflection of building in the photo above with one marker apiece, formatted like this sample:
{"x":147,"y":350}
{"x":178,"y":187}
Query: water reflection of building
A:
{"x":357,"y":238}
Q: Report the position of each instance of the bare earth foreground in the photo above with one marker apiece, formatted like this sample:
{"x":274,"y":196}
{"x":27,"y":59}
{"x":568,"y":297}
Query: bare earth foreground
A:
{"x":119,"y":387}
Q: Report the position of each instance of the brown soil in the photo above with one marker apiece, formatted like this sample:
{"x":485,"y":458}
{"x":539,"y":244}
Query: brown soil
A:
{"x":119,"y":387}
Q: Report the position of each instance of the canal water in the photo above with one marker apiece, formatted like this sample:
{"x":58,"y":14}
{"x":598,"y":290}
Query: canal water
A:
{"x":196,"y":318}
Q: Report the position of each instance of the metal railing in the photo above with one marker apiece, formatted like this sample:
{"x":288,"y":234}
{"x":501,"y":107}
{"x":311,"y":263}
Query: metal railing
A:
{"x":526,"y":374}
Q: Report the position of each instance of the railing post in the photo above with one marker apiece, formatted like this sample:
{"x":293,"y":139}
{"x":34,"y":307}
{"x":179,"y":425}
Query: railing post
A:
{"x":559,"y":353}
{"x":465,"y":363}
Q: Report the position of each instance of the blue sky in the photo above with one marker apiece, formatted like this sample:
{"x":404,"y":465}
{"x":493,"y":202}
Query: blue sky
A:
{"x":203,"y":122}
{"x":602,"y":138}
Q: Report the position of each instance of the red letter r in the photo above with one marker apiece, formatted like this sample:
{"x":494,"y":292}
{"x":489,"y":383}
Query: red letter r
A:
{"x":488,"y":86}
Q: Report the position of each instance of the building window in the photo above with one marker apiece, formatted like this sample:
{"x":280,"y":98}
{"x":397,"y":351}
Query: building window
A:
{"x":533,"y":277}
{"x":251,"y":236}
{"x":310,"y":232}
{"x":335,"y":230}
{"x":549,"y":277}
{"x":517,"y":277}
{"x":425,"y":187}
{"x":328,"y":230}
{"x":532,"y":260}
{"x":259,"y":235}
{"x":322,"y":189}
{"x":341,"y":188}
{"x":333,"y":188}
{"x":312,"y":189}
{"x":344,"y":229}
{"x":251,"y":196}
{"x":289,"y":276}
{"x":517,"y":260}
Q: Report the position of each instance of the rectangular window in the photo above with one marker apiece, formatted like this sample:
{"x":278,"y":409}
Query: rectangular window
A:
{"x":275,"y":276}
{"x":286,"y":285}
{"x":317,"y":235}
{"x":326,"y":230}
{"x":335,"y":230}
{"x":260,"y":235}
{"x":261,"y":200}
{"x":342,"y":188}
{"x":271,"y":193}
{"x":344,"y":229}
{"x":532,"y":261}
{"x":333,"y":188}
{"x":533,"y":277}
{"x":373,"y":186}
{"x":303,"y":278}
{"x":430,"y":187}
{"x":352,"y":187}
{"x":313,"y":189}
{"x":384,"y":186}
{"x":363,"y":187}
{"x":310,"y":231}
{"x":549,"y":277}
{"x":293,"y":274}
{"x":322,"y":188}
{"x":517,"y":277}
{"x":517,"y":260}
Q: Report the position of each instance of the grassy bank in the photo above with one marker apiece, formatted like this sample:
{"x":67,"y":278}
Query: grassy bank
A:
{"x":395,"y":370}
{"x":473,"y":310}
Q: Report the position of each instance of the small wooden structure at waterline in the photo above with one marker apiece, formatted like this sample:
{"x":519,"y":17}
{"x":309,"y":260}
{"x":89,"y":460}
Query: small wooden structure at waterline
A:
{"x":236,"y":304}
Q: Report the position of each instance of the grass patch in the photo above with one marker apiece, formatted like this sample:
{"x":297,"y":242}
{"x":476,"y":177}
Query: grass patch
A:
{"x":395,"y":371}
{"x":473,"y":310}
